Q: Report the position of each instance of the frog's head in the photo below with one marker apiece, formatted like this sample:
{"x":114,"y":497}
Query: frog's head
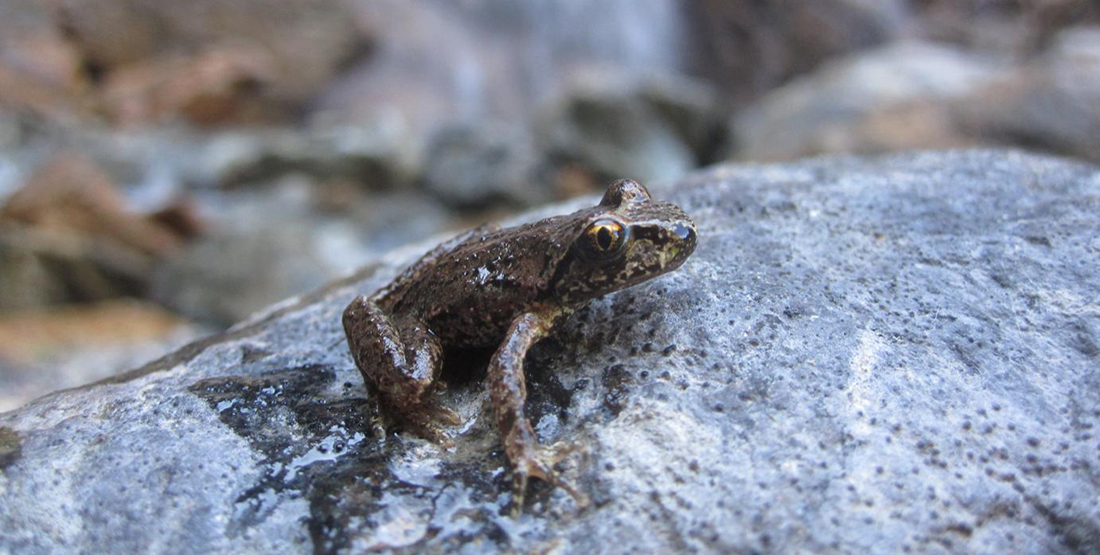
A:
{"x":625,"y":240}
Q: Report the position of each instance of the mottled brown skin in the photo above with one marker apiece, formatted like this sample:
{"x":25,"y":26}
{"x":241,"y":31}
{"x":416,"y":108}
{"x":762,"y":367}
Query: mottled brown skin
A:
{"x":506,"y":288}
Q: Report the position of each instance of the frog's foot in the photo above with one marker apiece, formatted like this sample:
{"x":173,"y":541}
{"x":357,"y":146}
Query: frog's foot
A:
{"x":538,"y":462}
{"x":430,"y":422}
{"x":377,"y":423}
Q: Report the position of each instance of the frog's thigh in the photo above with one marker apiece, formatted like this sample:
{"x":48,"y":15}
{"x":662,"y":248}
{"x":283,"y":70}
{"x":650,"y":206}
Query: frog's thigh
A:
{"x":399,"y":357}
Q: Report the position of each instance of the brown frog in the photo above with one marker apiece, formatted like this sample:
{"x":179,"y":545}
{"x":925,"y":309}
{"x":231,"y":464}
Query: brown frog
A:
{"x":506,"y":288}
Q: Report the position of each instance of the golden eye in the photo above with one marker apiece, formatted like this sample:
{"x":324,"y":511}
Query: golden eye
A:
{"x":605,"y":236}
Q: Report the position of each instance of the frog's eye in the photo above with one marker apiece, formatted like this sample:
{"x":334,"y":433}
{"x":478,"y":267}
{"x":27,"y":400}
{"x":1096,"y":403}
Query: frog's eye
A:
{"x":604,"y":238}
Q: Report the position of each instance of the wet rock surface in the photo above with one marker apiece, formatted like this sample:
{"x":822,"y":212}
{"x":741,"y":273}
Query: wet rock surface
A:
{"x":863,"y":355}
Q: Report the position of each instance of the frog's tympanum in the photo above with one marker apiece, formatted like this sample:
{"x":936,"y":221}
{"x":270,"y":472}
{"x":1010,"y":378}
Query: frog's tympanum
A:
{"x":506,"y":288}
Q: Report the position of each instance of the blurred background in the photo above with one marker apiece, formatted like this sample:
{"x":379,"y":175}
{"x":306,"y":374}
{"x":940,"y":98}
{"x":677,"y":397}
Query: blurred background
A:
{"x":169,"y":168}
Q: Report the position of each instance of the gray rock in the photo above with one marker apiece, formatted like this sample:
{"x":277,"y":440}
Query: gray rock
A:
{"x":863,"y":355}
{"x":613,"y":133}
{"x":62,"y":366}
{"x":752,"y":47}
{"x":374,"y":157}
{"x":475,"y":167}
{"x":267,"y":246}
{"x":1016,"y":29}
{"x":833,"y":109}
{"x":308,"y":45}
{"x":1052,"y":103}
{"x":227,"y":277}
{"x":441,"y":66}
{"x":692,"y":109}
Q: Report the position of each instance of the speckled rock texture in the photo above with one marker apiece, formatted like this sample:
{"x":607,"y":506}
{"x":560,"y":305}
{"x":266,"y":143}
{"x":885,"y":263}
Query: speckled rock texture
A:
{"x":880,"y":355}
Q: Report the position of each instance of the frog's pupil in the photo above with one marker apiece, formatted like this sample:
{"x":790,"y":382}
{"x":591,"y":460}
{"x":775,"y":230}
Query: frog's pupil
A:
{"x":604,"y":238}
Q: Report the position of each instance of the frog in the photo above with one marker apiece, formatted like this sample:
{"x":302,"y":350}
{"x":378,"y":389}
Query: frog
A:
{"x":508,"y":289}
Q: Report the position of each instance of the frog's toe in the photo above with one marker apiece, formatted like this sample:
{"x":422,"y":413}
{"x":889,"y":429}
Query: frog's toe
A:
{"x":430,"y":422}
{"x":540,"y":464}
{"x":378,"y":429}
{"x":432,"y":432}
{"x":437,"y":418}
{"x":560,"y":450}
{"x":446,"y":416}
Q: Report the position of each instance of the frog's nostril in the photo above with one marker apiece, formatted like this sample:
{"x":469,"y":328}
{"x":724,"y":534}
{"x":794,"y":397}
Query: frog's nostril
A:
{"x":684,"y":232}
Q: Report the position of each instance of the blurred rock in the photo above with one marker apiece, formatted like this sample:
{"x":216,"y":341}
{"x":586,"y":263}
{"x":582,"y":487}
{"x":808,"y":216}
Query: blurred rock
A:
{"x":13,"y":167}
{"x":692,"y":109}
{"x":40,"y":71}
{"x":476,"y":167}
{"x":437,"y":64}
{"x":372,"y":157}
{"x":202,"y":57}
{"x":260,"y":248}
{"x":614,"y":131}
{"x":22,"y":92}
{"x":1051,"y":103}
{"x":30,"y":336}
{"x":263,"y":246}
{"x":1020,"y":28}
{"x":180,"y":218}
{"x":227,"y":276}
{"x":40,"y":270}
{"x":68,"y":236}
{"x":862,"y":356}
{"x":608,"y":125}
{"x":28,"y":277}
{"x":915,"y":95}
{"x":72,"y":195}
{"x":892,"y":97}
{"x":47,"y":350}
{"x":751,"y":47}
{"x":213,"y":86}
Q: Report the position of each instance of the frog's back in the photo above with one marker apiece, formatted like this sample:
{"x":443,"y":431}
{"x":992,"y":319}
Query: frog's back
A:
{"x":469,"y":294}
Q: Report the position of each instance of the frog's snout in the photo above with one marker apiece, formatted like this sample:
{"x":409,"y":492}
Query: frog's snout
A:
{"x":684,"y":240}
{"x":685,"y":233}
{"x":678,"y":242}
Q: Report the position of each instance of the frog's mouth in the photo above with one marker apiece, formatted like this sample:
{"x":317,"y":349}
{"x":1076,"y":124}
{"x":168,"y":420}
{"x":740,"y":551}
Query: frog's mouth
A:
{"x":669,"y":255}
{"x":650,"y":260}
{"x":670,"y":245}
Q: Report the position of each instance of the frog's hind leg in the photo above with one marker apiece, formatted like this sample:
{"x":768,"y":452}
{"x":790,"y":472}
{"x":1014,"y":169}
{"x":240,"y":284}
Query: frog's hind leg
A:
{"x":508,"y":390}
{"x":399,"y":361}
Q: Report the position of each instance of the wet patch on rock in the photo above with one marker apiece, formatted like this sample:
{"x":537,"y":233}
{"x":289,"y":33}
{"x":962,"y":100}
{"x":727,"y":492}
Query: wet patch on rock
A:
{"x":547,"y":396}
{"x":305,"y":436}
{"x":316,"y":443}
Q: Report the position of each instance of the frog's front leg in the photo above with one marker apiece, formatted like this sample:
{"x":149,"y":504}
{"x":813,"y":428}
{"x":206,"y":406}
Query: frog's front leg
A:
{"x":399,"y":360}
{"x":509,"y":393}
